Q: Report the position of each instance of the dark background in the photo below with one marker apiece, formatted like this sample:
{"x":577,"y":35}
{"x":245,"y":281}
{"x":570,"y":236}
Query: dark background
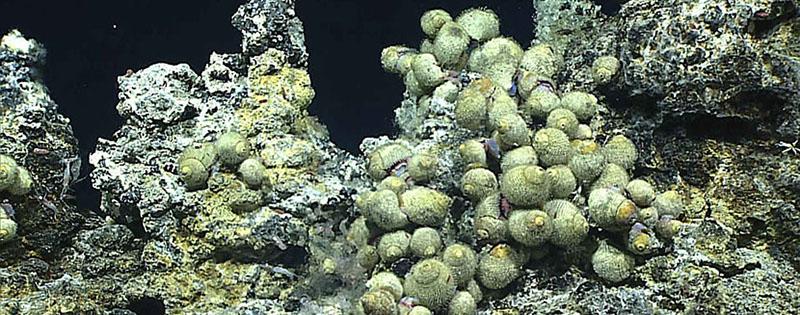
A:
{"x":91,"y":42}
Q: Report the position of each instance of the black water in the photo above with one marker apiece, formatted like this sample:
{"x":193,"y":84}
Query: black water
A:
{"x":90,"y":43}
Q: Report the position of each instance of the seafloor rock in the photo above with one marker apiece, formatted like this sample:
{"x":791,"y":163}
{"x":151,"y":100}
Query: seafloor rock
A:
{"x":40,"y":140}
{"x":709,"y":91}
{"x":284,"y":247}
{"x":236,"y":240}
{"x":272,"y":24}
{"x":707,"y":273}
{"x":227,"y":248}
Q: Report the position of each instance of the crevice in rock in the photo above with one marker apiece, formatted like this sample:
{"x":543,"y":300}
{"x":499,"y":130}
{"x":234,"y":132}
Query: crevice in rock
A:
{"x":764,"y":22}
{"x":147,"y":306}
{"x":608,"y":7}
{"x":706,"y":126}
{"x":730,"y":271}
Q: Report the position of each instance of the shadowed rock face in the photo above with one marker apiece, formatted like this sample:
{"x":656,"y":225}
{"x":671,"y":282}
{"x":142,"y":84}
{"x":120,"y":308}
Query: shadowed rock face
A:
{"x":272,"y":24}
{"x":705,"y":91}
{"x":39,"y":139}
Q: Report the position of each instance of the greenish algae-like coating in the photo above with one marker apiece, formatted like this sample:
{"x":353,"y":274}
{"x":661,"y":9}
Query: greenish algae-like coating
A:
{"x":526,"y":186}
{"x":584,"y":132}
{"x":14,"y":179}
{"x":425,"y":206}
{"x":478,"y":183}
{"x":462,"y":261}
{"x":232,"y":148}
{"x":498,"y":48}
{"x":432,"y":20}
{"x":621,"y":151}
{"x":611,"y":210}
{"x":527,"y":83}
{"x":414,"y":87}
{"x":447,"y":91}
{"x":499,"y":267}
{"x":562,"y":182}
{"x":530,"y":227}
{"x":425,"y":242}
{"x":501,"y":69}
{"x":498,"y":60}
{"x":524,"y":155}
{"x":404,"y":61}
{"x":393,"y":246}
{"x":426,"y":46}
{"x":611,"y":264}
{"x":491,"y":229}
{"x":194,"y":163}
{"x":205,"y":154}
{"x":583,"y":105}
{"x":382,"y":159}
{"x":431,"y":281}
{"x":462,"y":304}
{"x":480,"y":24}
{"x":502,"y":45}
{"x":552,"y":147}
{"x":569,"y":225}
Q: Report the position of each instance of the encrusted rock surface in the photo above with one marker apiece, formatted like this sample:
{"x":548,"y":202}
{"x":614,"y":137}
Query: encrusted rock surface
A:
{"x":38,"y":138}
{"x":707,"y":273}
{"x":257,"y":252}
{"x":708,"y":92}
{"x":272,"y":24}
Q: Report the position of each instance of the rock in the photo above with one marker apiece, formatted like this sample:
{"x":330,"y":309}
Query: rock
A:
{"x":272,"y":24}
{"x":281,"y":248}
{"x":40,"y":140}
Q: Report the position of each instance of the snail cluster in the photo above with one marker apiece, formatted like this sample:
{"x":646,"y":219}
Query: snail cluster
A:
{"x":535,"y":175}
{"x":14,"y":180}
{"x":402,"y":219}
{"x":232,"y":151}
